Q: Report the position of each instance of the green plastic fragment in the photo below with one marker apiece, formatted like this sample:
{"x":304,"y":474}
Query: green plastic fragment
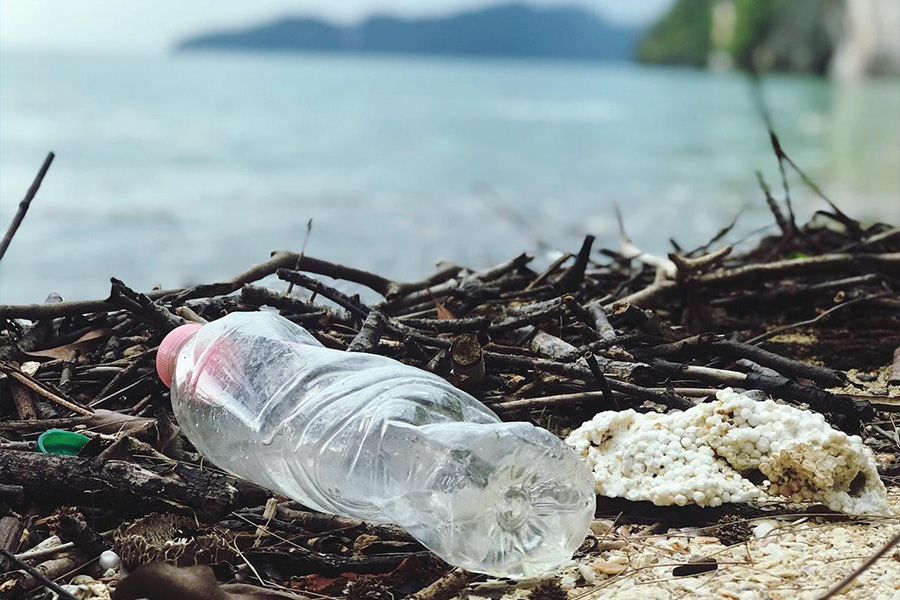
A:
{"x":62,"y":442}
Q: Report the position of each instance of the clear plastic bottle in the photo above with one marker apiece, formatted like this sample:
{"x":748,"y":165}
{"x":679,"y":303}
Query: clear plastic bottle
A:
{"x":365,"y":436}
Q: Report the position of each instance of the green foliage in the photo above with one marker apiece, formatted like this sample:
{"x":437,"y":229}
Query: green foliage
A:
{"x":784,"y":35}
{"x":754,"y":23}
{"x":680,"y":37}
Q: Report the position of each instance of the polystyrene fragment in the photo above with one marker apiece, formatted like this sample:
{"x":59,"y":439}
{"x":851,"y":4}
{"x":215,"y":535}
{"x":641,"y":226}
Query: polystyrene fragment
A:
{"x":698,"y":456}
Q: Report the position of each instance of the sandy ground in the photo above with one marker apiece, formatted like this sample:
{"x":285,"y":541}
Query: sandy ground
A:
{"x":787,"y":559}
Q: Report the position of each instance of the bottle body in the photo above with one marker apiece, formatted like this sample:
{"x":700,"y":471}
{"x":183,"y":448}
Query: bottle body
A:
{"x":365,"y":436}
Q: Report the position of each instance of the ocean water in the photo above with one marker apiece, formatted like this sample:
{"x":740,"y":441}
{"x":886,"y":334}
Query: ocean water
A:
{"x":188,"y":168}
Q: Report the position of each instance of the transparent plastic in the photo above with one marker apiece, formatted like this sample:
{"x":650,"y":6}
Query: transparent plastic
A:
{"x":365,"y":436}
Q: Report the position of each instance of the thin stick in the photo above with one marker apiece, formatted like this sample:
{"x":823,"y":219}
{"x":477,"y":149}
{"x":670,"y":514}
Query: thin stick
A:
{"x":41,"y":391}
{"x":262,"y":581}
{"x":763,"y":109}
{"x":721,"y":234}
{"x":446,"y":587}
{"x":255,"y":273}
{"x":45,"y":552}
{"x":302,"y":252}
{"x":343,"y":300}
{"x":25,"y":203}
{"x":38,"y":575}
{"x":862,"y":568}
{"x":849,"y":223}
{"x":600,"y":379}
{"x":773,"y":205}
{"x":831,"y":264}
{"x":783,"y":328}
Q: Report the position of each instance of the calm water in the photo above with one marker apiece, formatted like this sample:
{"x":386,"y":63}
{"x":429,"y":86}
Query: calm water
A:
{"x":188,"y":168}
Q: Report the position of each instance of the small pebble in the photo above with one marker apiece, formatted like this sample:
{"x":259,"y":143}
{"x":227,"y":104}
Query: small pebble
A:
{"x":109,"y":560}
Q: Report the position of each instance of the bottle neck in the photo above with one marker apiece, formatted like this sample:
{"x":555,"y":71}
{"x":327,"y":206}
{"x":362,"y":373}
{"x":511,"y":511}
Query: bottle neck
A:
{"x":168,"y":351}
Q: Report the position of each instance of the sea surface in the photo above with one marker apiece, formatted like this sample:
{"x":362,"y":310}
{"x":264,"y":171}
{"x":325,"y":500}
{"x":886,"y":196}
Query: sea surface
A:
{"x":189,"y":168}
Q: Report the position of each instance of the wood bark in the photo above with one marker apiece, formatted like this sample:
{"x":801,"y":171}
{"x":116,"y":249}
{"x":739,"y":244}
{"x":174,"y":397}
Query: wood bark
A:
{"x":119,"y":485}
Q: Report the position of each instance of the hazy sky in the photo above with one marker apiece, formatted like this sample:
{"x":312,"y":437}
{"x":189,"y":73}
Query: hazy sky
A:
{"x":142,"y":26}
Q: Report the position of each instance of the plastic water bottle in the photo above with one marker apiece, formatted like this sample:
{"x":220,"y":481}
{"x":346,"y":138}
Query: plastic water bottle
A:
{"x":365,"y":436}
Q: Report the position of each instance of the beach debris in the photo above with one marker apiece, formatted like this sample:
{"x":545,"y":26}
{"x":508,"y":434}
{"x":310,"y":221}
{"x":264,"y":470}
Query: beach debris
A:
{"x":696,"y":567}
{"x":810,"y":319}
{"x":548,"y":589}
{"x":732,"y":529}
{"x":58,"y":441}
{"x":368,"y":588}
{"x":174,"y":539}
{"x":710,"y":454}
{"x":109,"y":560}
{"x":608,"y":567}
{"x":85,"y":587}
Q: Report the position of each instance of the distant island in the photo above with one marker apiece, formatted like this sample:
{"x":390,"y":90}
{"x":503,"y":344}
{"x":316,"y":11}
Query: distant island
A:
{"x":512,"y":31}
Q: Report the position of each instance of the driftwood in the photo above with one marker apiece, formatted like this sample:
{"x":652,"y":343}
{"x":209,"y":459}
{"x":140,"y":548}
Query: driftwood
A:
{"x":118,"y":484}
{"x":553,"y":346}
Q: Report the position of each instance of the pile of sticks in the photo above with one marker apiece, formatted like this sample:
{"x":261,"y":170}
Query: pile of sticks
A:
{"x":810,"y":316}
{"x":596,"y":330}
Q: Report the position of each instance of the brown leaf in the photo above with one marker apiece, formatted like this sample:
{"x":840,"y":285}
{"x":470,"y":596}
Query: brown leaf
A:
{"x":370,"y":544}
{"x":319,"y":584}
{"x":442,"y":311}
{"x":85,"y":342}
{"x":112,"y":423}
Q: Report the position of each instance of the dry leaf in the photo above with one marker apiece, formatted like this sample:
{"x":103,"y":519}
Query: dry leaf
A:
{"x":321,"y":585}
{"x":88,"y":340}
{"x":134,"y":350}
{"x":370,"y":544}
{"x":442,"y":311}
{"x":112,"y":423}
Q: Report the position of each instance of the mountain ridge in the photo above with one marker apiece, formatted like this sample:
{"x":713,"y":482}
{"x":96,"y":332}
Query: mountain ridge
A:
{"x":510,"y":30}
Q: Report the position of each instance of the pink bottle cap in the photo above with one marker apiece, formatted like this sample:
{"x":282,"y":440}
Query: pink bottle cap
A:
{"x":169,"y":348}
